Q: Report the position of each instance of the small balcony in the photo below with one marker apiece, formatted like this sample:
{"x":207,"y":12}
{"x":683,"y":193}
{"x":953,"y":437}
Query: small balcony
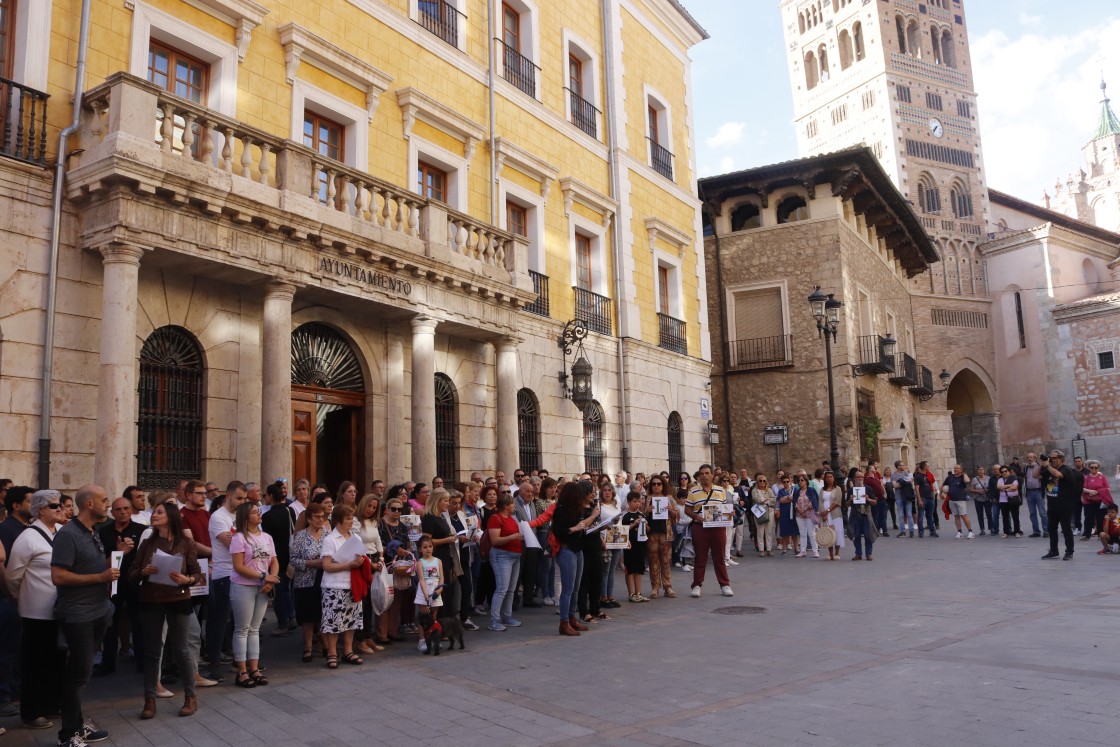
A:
{"x":873,"y":358}
{"x":23,"y":111}
{"x":593,"y":310}
{"x":672,"y":335}
{"x":905,"y":370}
{"x":760,"y":353}
{"x":441,"y":18}
{"x":924,"y":385}
{"x":540,"y":287}
{"x":518,"y":69}
{"x":661,"y":159}
{"x":584,"y":114}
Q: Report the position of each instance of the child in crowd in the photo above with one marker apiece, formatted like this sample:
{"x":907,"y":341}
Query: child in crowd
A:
{"x":1110,"y":531}
{"x":634,"y":557}
{"x":430,"y":572}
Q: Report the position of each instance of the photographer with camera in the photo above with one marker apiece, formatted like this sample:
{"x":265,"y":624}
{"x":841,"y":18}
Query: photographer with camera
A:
{"x":1061,"y":484}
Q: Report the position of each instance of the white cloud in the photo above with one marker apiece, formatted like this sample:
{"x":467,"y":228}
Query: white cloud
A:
{"x":729,"y":133}
{"x":1039,"y":102}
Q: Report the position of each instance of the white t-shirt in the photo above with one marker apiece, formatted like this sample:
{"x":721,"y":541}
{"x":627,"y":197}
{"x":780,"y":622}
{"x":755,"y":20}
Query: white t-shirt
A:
{"x":297,"y":509}
{"x":144,"y":517}
{"x":221,"y":564}
{"x":338,"y":579}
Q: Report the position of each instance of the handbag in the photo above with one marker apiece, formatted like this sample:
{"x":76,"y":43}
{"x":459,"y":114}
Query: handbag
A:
{"x":826,"y":536}
{"x":761,"y":513}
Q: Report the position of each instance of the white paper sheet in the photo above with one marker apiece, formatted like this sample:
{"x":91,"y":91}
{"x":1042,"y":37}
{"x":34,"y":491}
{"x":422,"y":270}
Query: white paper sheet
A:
{"x":859,"y":496}
{"x":660,"y":507}
{"x":529,"y":536}
{"x":165,"y":565}
{"x":202,"y":589}
{"x":348,"y":549}
{"x":116,"y":557}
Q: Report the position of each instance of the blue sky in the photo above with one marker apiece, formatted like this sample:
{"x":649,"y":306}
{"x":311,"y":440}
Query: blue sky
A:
{"x":1037,"y":67}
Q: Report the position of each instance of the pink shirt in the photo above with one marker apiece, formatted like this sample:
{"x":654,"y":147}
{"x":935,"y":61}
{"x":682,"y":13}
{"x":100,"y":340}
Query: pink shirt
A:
{"x":1099,"y":484}
{"x":258,"y":550}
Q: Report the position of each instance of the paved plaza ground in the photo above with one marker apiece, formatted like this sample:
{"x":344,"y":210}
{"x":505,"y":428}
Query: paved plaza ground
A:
{"x":936,"y":642}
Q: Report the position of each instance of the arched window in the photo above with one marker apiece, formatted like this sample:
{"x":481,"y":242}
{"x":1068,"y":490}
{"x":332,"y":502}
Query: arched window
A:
{"x":935,"y":42}
{"x":822,"y":59}
{"x":948,"y":53}
{"x":900,"y":29}
{"x":845,"y":44}
{"x":857,"y":40}
{"x":447,"y":428}
{"x":961,"y":201}
{"x":792,"y":209}
{"x":801,"y":22}
{"x":810,"y":71}
{"x":745,"y":216}
{"x":528,"y":431}
{"x":169,"y":428}
{"x":676,"y":444}
{"x":914,"y":39}
{"x":929,"y":195}
{"x":593,"y":437}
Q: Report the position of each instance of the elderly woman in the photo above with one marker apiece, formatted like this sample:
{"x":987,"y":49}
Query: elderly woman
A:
{"x":398,"y":618}
{"x":978,"y":491}
{"x":788,"y":530}
{"x":1096,"y":496}
{"x":369,"y":509}
{"x":167,"y":606}
{"x":341,"y":614}
{"x":29,"y":581}
{"x":255,"y":573}
{"x":307,"y":565}
{"x":761,"y":495}
{"x":505,"y":559}
{"x":457,"y":520}
{"x":445,"y":547}
{"x":806,"y":506}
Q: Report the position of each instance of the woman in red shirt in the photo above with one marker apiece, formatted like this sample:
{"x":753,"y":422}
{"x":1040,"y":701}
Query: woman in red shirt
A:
{"x":505,"y":560}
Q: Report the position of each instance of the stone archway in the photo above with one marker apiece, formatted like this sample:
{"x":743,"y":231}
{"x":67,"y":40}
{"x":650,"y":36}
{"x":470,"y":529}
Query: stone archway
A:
{"x":975,"y":422}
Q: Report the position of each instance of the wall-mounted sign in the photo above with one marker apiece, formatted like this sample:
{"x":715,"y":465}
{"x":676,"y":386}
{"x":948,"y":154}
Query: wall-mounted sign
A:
{"x":705,"y":408}
{"x":360,"y":274}
{"x":775,"y":434}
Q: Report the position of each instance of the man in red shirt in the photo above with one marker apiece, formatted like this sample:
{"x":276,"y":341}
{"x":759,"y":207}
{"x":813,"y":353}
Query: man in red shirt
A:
{"x":196,"y":518}
{"x":874,"y":481}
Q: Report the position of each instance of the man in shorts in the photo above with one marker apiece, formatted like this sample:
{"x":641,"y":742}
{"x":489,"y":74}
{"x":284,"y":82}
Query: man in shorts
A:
{"x":955,"y":486}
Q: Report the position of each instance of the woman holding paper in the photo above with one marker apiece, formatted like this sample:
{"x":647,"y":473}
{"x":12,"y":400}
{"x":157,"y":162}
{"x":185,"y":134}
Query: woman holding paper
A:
{"x":663,"y":512}
{"x":255,"y":573}
{"x":166,"y":566}
{"x":609,"y":509}
{"x":370,"y":533}
{"x":343,"y":551}
{"x":762,"y":506}
{"x":446,"y":547}
{"x":570,"y":521}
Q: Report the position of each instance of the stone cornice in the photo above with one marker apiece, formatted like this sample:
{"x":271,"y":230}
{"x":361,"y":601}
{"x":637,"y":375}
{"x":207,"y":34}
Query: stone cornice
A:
{"x":576,"y":191}
{"x":657,"y":228}
{"x":300,"y":44}
{"x":1056,"y":235}
{"x":243,"y":15}
{"x":525,"y":162}
{"x":417,"y":105}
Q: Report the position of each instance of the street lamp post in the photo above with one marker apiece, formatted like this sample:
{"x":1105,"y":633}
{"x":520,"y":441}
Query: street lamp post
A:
{"x":826,"y":310}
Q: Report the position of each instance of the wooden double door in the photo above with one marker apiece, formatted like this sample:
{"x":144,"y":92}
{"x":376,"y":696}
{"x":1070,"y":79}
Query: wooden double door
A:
{"x":328,"y":436}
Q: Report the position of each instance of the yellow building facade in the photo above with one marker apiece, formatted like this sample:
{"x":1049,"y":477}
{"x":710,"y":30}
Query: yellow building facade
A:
{"x":340,"y":240}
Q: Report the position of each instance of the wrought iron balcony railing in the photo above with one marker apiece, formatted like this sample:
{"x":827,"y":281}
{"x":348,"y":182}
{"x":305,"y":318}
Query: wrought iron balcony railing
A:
{"x":672,"y":334}
{"x":593,"y":310}
{"x":760,"y":353}
{"x":584,"y":114}
{"x":441,"y":18}
{"x":661,"y":159}
{"x":518,"y":69}
{"x":540,"y":286}
{"x":905,"y":370}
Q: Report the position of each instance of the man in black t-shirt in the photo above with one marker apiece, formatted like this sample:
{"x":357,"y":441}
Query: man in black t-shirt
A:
{"x":1061,"y":484}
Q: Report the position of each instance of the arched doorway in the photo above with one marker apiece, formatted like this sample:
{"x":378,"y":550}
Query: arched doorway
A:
{"x":328,"y":408}
{"x":975,"y":426}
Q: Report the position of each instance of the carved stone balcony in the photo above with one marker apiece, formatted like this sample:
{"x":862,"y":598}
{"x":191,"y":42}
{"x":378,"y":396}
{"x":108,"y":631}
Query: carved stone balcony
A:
{"x":203,"y":162}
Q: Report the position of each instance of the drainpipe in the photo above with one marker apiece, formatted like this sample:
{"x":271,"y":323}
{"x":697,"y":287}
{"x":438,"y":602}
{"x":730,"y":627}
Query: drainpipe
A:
{"x":44,"y":478}
{"x":490,"y":94}
{"x":724,"y":341}
{"x":616,"y":238}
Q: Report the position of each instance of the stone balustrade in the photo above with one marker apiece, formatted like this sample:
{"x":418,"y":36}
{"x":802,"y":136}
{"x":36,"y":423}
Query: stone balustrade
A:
{"x":220,"y":156}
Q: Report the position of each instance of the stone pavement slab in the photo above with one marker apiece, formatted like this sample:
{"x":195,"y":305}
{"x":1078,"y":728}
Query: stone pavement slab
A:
{"x":938,"y":641}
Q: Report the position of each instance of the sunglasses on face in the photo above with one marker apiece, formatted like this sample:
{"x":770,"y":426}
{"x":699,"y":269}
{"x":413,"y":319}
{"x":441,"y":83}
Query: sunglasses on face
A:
{"x":54,"y":506}
{"x":393,"y":508}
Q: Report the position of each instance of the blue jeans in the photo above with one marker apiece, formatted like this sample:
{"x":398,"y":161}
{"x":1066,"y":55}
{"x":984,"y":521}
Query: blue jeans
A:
{"x":905,"y":511}
{"x":993,"y":517}
{"x":609,"y":569}
{"x":507,"y":568}
{"x":546,"y":575}
{"x":861,"y":530}
{"x":284,"y":605}
{"x":1036,"y":504}
{"x":249,"y":605}
{"x":926,"y":511}
{"x":217,"y":620}
{"x":571,"y":571}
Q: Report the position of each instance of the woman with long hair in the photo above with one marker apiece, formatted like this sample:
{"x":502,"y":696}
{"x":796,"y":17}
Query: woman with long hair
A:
{"x":255,"y":574}
{"x":488,"y":506}
{"x":609,"y":508}
{"x":761,"y":495}
{"x":570,"y":520}
{"x":445,"y":544}
{"x":369,"y":531}
{"x":505,"y":558}
{"x":806,"y":507}
{"x":831,"y":502}
{"x":166,"y":606}
{"x":348,"y":493}
{"x":661,"y":540}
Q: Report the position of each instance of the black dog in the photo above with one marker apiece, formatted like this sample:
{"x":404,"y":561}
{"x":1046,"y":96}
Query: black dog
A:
{"x":433,"y":634}
{"x":453,"y":629}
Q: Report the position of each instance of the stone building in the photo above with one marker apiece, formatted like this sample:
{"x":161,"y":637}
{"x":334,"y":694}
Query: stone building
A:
{"x":1055,"y":288}
{"x":341,"y":240}
{"x":1093,"y":195}
{"x":896,"y":76}
{"x":773,"y":234}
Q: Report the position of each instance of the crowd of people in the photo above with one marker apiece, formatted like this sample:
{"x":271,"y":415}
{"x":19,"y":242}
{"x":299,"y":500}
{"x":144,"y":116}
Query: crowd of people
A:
{"x":183,"y":579}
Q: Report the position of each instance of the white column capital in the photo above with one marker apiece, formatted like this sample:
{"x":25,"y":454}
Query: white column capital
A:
{"x":506,"y":344}
{"x":424,"y":325}
{"x":279,"y":290}
{"x":119,"y":253}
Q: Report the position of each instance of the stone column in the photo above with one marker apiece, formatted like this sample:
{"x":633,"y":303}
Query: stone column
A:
{"x":423,"y":398}
{"x":276,"y":382}
{"x":506,"y":363}
{"x":114,"y":462}
{"x":396,"y":413}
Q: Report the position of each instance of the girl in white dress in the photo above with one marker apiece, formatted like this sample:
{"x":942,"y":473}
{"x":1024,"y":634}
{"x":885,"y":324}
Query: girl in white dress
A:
{"x":831,"y":498}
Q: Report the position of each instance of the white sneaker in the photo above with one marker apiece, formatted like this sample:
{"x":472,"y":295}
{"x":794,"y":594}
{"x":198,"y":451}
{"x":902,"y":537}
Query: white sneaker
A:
{"x":816,"y":553}
{"x":727,"y":592}
{"x":695,"y":592}
{"x":422,"y":646}
{"x":732,"y":562}
{"x":676,"y":565}
{"x":686,"y":567}
{"x":958,"y":535}
{"x":800,"y":554}
{"x":971,"y":535}
{"x":548,"y":602}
